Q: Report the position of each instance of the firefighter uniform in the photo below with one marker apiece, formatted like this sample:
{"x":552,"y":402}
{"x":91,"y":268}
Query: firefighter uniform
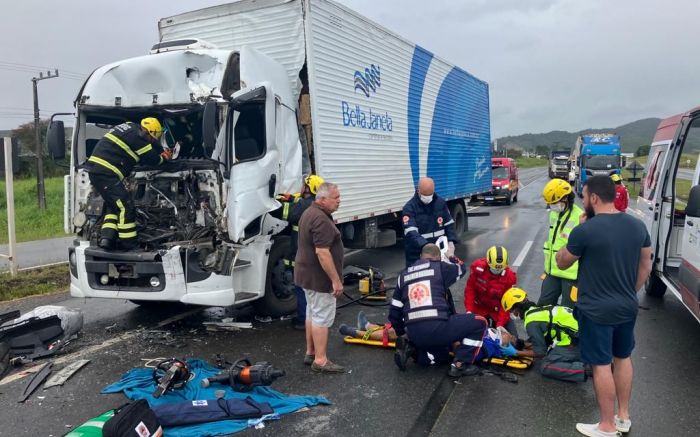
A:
{"x":292,"y":208}
{"x":484,"y":290}
{"x":114,"y":157}
{"x":557,"y":281}
{"x":425,"y":223}
{"x":423,"y":309}
{"x":553,"y":332}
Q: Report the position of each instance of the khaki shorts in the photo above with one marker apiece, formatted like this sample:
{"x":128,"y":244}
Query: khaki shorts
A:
{"x":320,"y":308}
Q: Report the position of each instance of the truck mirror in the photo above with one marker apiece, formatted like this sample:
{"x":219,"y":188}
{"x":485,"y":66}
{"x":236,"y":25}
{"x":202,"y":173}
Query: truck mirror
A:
{"x":210,"y":126}
{"x":243,"y":97}
{"x":56,"y":139}
{"x":693,"y":208}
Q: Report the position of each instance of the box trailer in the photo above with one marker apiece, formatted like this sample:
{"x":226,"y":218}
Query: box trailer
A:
{"x":265,"y":92}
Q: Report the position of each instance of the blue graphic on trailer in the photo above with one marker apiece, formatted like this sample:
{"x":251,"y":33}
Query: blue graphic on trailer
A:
{"x":368,"y":81}
{"x":419,"y":69}
{"x":459,"y":146}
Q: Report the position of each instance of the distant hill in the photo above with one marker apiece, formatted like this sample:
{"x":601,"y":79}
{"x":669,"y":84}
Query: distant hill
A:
{"x":632,"y":135}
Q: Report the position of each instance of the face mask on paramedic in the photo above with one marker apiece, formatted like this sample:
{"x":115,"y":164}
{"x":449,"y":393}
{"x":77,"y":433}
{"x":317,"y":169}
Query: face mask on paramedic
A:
{"x":426,"y":199}
{"x":560,"y":207}
{"x":496,"y":271}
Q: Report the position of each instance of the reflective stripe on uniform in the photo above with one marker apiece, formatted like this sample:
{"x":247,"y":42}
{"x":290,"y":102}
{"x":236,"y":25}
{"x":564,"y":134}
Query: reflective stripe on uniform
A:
{"x":439,"y":233}
{"x":123,"y":145}
{"x":449,"y":223}
{"x":125,"y":226}
{"x":111,"y":217}
{"x":107,"y":225}
{"x":410,"y":229}
{"x":144,"y":149}
{"x":106,"y":165}
{"x":422,"y":314}
{"x":397,"y":303}
{"x":470,"y":342}
{"x":122,"y":212}
{"x":285,"y":211}
{"x":295,"y":228}
{"x":125,"y":235}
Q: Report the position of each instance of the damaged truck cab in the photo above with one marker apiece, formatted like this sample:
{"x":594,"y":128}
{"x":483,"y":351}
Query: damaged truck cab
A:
{"x":204,"y":214}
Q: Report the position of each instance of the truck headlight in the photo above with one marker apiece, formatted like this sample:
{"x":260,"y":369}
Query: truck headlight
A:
{"x":104,"y":279}
{"x":73,"y":259}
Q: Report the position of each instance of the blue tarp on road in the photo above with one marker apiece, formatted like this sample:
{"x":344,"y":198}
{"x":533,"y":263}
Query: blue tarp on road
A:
{"x":138,"y":384}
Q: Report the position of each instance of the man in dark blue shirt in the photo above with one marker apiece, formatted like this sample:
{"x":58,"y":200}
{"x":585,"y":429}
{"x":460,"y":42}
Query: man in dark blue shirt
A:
{"x":614,"y":254}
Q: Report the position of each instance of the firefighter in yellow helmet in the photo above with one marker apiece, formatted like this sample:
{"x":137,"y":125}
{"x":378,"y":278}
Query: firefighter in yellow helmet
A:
{"x":293,"y":206}
{"x":552,"y":335}
{"x":564,"y":216}
{"x":112,"y":160}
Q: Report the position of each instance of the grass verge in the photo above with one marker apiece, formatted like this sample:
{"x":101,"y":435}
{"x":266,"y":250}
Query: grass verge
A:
{"x":30,"y":222}
{"x":36,"y":281}
{"x":530,"y":162}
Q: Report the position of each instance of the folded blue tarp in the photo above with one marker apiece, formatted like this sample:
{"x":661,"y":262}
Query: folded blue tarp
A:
{"x":138,"y":384}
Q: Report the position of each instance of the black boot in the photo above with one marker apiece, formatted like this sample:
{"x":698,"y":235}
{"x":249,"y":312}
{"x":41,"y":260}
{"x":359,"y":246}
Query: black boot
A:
{"x":458,"y":368}
{"x":404,"y":350}
{"x":106,"y":243}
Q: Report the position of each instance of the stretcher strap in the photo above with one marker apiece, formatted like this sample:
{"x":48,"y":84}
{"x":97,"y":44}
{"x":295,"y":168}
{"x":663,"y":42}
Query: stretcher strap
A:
{"x":385,"y":334}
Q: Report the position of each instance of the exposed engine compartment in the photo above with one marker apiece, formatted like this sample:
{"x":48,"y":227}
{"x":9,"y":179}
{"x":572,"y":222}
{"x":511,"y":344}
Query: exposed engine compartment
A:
{"x":180,"y":204}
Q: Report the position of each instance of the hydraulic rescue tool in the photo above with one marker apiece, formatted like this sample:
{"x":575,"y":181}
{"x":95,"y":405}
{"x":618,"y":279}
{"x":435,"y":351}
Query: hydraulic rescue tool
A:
{"x":243,"y":375}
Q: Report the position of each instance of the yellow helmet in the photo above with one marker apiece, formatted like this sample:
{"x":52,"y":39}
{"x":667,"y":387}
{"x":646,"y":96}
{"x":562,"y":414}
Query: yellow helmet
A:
{"x":152,"y":125}
{"x":313,"y":182}
{"x":497,"y":257}
{"x":511,"y":297}
{"x":616,"y":178}
{"x":555,"y":190}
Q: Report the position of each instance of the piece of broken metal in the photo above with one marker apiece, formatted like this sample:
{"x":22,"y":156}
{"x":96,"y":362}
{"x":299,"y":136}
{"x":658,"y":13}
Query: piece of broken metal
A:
{"x":36,"y":381}
{"x":64,"y":374}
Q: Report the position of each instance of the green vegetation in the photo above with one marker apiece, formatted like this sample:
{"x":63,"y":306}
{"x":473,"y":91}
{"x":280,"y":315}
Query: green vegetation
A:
{"x":30,"y":222}
{"x":36,"y":281}
{"x":530,"y":162}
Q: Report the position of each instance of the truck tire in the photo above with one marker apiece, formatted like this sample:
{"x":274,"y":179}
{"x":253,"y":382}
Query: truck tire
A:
{"x":654,"y":286}
{"x":280,"y":298}
{"x":460,"y":217}
{"x":515,"y":198}
{"x":509,"y":198}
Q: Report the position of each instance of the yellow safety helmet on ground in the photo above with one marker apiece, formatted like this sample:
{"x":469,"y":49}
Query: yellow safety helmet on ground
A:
{"x":497,"y":258}
{"x":555,"y":191}
{"x":152,"y":125}
{"x":511,"y":297}
{"x":616,"y":178}
{"x":313,"y":182}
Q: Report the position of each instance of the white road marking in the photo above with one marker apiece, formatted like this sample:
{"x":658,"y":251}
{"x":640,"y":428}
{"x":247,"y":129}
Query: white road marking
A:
{"x":531,"y":182}
{"x":523,"y":253}
{"x":472,"y":208}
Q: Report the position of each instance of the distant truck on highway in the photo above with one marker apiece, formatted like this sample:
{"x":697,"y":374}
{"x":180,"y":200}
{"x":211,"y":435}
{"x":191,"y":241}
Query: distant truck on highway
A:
{"x":559,"y":164}
{"x":669,"y":204}
{"x":260,"y":93}
{"x":594,"y":154}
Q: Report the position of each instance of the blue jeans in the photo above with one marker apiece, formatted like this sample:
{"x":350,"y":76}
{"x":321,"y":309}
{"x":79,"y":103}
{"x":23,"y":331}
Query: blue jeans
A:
{"x":301,"y":303}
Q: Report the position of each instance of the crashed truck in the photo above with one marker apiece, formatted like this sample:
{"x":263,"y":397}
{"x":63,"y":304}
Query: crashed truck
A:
{"x":264,"y":92}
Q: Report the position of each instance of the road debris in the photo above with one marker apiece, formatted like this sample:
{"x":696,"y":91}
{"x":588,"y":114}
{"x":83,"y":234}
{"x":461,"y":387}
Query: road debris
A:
{"x":36,"y":381}
{"x":64,"y":374}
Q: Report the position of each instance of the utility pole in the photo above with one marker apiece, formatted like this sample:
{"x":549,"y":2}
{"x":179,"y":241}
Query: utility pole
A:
{"x":41,"y":196}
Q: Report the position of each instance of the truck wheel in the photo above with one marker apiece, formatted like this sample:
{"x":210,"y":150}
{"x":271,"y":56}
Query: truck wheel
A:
{"x":654,"y":286}
{"x":460,"y":217}
{"x":509,"y":198}
{"x":280,"y":298}
{"x":515,"y":199}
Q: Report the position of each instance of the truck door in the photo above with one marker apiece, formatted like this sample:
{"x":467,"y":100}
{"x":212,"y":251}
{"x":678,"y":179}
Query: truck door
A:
{"x":646,"y":208}
{"x":255,"y":161}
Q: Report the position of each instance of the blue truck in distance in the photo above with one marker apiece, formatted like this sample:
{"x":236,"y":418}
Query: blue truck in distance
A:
{"x":595,"y":154}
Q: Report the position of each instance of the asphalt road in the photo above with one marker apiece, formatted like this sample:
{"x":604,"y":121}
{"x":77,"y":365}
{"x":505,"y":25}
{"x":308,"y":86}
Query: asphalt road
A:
{"x":374,"y":398}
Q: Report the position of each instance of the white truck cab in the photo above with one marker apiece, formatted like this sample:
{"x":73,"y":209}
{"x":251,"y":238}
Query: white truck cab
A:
{"x":669,"y":204}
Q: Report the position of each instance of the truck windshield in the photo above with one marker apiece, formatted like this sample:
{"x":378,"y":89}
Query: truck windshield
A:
{"x":499,"y":173}
{"x":601,"y":162}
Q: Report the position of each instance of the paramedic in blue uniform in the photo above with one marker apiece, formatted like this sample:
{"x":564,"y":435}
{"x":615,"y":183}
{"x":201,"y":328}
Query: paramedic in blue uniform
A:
{"x":425,"y":219}
{"x":424,"y":317}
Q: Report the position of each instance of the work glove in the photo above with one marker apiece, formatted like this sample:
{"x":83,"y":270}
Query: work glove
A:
{"x":450,"y":249}
{"x":166,"y":154}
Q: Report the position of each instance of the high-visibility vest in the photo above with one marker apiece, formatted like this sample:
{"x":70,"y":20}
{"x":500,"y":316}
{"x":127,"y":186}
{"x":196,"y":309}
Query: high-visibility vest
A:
{"x":560,"y":227}
{"x":562,"y":325}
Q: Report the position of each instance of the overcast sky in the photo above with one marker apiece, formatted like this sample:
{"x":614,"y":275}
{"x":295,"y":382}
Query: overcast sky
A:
{"x":550,"y":64}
